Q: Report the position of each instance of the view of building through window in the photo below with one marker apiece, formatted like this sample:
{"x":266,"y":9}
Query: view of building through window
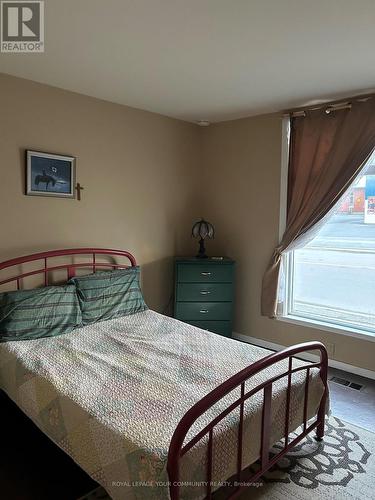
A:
{"x":333,"y":277}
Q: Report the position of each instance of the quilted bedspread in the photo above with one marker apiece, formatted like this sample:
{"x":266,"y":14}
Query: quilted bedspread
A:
{"x":111,"y":394}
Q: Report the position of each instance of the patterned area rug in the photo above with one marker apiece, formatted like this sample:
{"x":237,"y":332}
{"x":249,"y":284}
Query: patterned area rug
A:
{"x":342,"y":467}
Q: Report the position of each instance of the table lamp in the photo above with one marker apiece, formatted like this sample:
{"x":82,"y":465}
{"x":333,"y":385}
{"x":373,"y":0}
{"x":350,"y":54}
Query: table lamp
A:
{"x":202,"y":229}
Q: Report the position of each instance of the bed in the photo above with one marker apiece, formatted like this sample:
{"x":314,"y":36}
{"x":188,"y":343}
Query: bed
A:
{"x":151,"y":407}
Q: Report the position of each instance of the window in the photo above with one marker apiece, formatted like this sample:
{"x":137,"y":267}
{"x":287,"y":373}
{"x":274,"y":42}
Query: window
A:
{"x":331,"y":280}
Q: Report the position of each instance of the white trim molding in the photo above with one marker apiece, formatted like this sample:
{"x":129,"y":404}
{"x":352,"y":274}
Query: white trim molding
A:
{"x":285,"y":139}
{"x":363,"y":372}
{"x":326,"y":327}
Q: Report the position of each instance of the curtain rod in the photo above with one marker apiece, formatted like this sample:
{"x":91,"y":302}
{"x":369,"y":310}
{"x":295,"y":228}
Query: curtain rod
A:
{"x":344,"y":103}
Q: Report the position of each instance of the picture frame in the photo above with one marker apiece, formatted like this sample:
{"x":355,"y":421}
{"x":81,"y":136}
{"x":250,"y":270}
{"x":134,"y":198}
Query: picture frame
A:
{"x":50,"y":174}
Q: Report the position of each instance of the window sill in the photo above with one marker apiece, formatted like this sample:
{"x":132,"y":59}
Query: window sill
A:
{"x":327,"y":327}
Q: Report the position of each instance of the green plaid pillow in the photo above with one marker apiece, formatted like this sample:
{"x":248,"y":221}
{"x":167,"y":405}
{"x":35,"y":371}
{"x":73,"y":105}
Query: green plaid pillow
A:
{"x":109,"y":294}
{"x":42,"y":312}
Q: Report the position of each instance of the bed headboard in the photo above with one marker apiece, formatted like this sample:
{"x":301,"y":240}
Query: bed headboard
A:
{"x":92,"y":263}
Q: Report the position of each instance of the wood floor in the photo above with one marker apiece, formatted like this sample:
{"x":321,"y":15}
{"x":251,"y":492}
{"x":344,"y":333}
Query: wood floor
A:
{"x":33,"y":468}
{"x":354,"y":406}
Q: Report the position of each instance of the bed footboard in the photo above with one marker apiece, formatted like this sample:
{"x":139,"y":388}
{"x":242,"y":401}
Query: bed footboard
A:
{"x":178,"y":448}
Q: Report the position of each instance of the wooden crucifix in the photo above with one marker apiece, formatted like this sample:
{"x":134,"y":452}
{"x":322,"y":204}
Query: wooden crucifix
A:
{"x":79,"y":188}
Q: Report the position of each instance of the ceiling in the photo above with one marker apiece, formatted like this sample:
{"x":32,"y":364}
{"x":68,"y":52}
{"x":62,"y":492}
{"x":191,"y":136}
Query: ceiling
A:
{"x":205,"y":59}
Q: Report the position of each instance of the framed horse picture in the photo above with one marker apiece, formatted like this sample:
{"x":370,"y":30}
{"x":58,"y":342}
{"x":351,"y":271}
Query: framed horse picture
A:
{"x":50,"y":175}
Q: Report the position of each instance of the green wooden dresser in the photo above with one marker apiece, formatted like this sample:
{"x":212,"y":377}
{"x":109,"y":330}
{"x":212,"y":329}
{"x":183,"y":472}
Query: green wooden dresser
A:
{"x":204,"y":291}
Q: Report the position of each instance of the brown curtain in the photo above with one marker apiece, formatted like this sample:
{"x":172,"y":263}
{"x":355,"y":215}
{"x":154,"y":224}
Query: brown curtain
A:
{"x":327,"y":151}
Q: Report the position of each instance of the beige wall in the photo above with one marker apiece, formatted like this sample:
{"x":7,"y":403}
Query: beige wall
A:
{"x":141,"y":172}
{"x":242,"y":163}
{"x":137,"y":168}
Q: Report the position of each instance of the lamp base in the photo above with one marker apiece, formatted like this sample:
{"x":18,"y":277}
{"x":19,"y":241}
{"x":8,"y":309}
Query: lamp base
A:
{"x":202,"y":251}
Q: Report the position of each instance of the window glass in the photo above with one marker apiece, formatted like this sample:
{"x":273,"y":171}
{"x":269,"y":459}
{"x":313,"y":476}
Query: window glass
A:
{"x":332,"y":279}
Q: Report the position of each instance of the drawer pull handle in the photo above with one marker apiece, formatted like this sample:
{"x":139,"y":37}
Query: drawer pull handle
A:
{"x":205,"y":292}
{"x":203,"y":311}
{"x":206,"y":273}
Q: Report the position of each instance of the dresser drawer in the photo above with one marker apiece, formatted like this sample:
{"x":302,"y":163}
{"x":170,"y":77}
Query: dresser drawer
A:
{"x":204,"y":292}
{"x":200,"y":273}
{"x":220,"y":327}
{"x":203,"y":310}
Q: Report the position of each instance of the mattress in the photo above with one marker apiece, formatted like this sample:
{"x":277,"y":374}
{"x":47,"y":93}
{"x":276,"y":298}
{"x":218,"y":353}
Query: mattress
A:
{"x":111,"y":395}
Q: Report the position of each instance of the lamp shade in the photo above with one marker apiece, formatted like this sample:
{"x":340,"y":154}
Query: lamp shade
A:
{"x":203,"y":229}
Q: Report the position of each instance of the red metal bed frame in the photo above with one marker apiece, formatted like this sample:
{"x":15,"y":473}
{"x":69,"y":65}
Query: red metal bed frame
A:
{"x":178,"y":448}
{"x":244,"y":477}
{"x":70,"y":267}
